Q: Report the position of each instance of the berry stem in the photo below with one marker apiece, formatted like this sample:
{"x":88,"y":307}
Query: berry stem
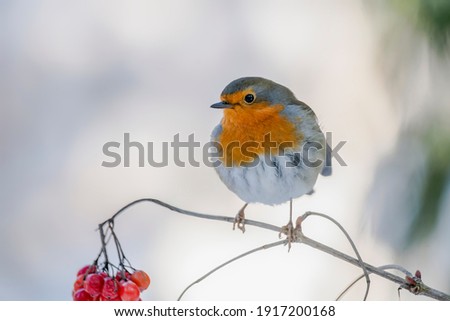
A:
{"x":120,"y":252}
{"x":103,"y":250}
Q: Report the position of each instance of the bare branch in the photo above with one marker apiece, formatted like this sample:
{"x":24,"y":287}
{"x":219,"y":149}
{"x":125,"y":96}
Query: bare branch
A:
{"x":419,"y":288}
{"x":190,"y":213}
{"x":427,"y":291}
{"x":383,"y":267}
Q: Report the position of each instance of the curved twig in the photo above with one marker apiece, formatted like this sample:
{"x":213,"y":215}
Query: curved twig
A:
{"x":190,"y":213}
{"x":361,"y":262}
{"x":264,"y":247}
{"x":383,"y":267}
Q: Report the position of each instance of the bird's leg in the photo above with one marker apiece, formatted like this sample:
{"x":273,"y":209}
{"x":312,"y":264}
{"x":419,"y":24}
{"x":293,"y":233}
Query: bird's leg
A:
{"x":289,"y":229}
{"x":240,"y":219}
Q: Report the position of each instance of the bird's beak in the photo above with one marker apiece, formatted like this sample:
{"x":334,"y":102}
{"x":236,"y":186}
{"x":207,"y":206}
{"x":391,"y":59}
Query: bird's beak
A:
{"x":221,"y":105}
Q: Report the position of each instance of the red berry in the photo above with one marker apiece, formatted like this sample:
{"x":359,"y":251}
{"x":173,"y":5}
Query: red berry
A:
{"x":110,"y":289}
{"x":87,"y":269}
{"x":79,"y":283}
{"x":129,"y":291}
{"x":82,"y":295}
{"x":94,"y":284}
{"x":102,"y":298}
{"x":141,"y":279}
{"x":103,"y":275}
{"x":123,"y":275}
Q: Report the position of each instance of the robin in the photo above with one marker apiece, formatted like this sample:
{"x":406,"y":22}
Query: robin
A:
{"x":270,"y":146}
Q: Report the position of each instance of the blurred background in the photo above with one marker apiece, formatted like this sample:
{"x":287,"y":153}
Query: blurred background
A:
{"x":75,"y":75}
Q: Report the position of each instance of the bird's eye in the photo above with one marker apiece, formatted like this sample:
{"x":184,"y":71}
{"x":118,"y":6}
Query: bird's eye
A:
{"x":249,"y":98}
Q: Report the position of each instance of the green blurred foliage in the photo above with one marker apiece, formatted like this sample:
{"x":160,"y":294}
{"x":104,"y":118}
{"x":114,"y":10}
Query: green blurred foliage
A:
{"x":435,"y":139}
{"x":411,"y":185}
{"x":431,"y":17}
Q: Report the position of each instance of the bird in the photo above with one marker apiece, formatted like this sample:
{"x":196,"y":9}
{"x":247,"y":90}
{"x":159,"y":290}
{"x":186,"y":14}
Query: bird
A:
{"x":270,"y":147}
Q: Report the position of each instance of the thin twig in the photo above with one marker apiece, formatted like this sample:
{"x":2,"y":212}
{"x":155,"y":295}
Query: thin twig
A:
{"x":195,"y":214}
{"x":103,"y":250}
{"x":427,"y":291}
{"x":383,"y":267}
{"x":361,"y":262}
{"x":264,"y":247}
{"x":424,"y":290}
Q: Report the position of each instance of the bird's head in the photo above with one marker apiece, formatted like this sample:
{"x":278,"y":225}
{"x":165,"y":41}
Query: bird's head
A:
{"x":254,"y":93}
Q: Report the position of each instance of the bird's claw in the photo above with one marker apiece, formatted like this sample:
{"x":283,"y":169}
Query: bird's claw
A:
{"x":292,"y":233}
{"x":239,"y":220}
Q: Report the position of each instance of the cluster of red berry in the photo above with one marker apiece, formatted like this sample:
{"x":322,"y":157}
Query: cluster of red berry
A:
{"x":95,"y":285}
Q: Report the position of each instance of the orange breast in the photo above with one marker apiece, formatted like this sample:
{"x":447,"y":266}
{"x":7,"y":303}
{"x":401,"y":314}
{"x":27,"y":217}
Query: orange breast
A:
{"x":244,"y":130}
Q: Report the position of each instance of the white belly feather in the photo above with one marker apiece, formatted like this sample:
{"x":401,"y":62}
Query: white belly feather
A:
{"x":270,"y":181}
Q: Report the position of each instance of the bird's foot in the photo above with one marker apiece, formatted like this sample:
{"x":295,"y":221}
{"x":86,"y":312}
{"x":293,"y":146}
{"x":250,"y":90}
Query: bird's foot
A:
{"x":239,"y":220}
{"x":292,"y":233}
